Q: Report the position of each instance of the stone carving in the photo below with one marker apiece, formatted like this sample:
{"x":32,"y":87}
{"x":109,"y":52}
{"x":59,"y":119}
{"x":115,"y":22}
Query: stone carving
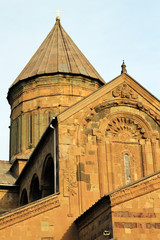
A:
{"x":129,"y":103}
{"x":70,"y":183}
{"x":125,"y":128}
{"x":90,"y":115}
{"x":124,"y":91}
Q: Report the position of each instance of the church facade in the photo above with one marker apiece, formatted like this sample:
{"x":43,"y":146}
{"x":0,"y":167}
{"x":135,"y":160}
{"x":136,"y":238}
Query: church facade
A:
{"x":84,"y":154}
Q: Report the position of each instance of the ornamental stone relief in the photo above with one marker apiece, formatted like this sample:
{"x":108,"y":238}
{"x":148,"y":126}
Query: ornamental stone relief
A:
{"x":124,"y":91}
{"x":70,"y":184}
{"x":129,"y":103}
{"x":124,"y":128}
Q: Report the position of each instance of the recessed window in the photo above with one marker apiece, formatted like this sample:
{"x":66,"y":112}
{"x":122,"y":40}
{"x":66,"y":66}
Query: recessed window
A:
{"x":127,"y":168}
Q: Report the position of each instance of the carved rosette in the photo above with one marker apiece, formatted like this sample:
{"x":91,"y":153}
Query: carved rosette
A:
{"x":125,"y":128}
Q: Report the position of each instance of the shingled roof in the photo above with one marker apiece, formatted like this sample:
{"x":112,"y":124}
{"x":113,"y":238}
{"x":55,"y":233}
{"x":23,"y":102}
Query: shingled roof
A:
{"x":58,"y":54}
{"x":6,"y":177}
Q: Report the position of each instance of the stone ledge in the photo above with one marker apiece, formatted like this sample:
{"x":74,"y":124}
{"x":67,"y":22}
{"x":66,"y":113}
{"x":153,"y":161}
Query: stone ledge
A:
{"x":29,"y":210}
{"x":147,"y":185}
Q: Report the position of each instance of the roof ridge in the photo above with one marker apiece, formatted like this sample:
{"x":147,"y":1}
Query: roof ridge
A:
{"x":74,"y":48}
{"x":50,"y":42}
{"x":60,"y":27}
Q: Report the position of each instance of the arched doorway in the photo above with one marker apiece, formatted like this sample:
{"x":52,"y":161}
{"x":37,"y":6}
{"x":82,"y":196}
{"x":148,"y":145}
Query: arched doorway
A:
{"x":24,"y":198}
{"x":35,"y":192}
{"x":48,"y":177}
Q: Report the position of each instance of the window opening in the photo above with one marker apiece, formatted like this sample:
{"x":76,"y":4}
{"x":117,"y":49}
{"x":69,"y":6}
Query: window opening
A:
{"x":127,"y":168}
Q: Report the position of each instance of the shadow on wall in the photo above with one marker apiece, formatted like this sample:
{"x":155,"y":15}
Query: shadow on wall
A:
{"x":71,"y":233}
{"x":8,"y":200}
{"x":43,"y":186}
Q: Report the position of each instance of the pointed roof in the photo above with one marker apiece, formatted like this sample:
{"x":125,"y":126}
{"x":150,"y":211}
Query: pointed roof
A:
{"x":58,"y":54}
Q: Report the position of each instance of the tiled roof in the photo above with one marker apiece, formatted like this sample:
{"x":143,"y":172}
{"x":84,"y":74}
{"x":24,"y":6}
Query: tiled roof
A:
{"x":58,"y":54}
{"x":6,"y":177}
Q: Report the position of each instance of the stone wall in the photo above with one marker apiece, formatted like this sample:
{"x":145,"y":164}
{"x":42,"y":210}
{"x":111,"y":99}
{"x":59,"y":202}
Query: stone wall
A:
{"x":131,"y":212}
{"x":8,"y":199}
{"x":41,"y":220}
{"x":35,"y":101}
{"x":136,"y":210}
{"x":96,"y":223}
{"x":96,"y":134}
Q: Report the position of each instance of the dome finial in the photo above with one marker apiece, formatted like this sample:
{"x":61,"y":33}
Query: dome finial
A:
{"x":123,"y":66}
{"x":58,"y":17}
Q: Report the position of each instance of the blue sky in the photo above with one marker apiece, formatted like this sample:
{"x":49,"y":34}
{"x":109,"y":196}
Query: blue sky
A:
{"x":106,"y":31}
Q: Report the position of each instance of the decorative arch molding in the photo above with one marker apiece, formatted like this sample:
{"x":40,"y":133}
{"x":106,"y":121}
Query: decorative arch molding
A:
{"x":122,"y":120}
{"x":129,"y":103}
{"x":92,"y":111}
{"x":127,"y":125}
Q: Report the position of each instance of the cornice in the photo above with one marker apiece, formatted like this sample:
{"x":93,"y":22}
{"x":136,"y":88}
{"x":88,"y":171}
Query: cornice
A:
{"x":143,"y":91}
{"x":144,"y":186}
{"x":28,"y":211}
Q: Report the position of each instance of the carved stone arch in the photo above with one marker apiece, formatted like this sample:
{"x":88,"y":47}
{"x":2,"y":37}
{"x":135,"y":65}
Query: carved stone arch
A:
{"x":35,"y":192}
{"x":130,"y":133}
{"x":125,"y":95}
{"x":124,"y":125}
{"x":48,"y":177}
{"x":24,"y":198}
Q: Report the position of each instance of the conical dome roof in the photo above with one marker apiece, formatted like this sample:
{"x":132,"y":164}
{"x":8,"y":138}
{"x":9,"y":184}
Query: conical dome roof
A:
{"x":58,"y":54}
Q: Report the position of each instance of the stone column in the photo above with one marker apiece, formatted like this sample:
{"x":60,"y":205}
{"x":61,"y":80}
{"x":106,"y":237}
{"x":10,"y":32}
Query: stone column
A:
{"x":80,"y":184}
{"x":102,"y":167}
{"x":109,"y":166}
{"x":155,"y":155}
{"x":149,"y":156}
{"x":143,"y":157}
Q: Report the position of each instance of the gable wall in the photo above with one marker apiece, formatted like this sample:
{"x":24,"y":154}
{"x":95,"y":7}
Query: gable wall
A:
{"x":92,"y":142}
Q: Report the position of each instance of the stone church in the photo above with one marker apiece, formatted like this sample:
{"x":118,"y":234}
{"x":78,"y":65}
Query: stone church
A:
{"x":84,"y":158}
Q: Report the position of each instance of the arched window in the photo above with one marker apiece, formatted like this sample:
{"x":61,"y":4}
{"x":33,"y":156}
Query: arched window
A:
{"x":24,"y":198}
{"x":48,"y":177}
{"x":35,"y":192}
{"x":127,"y":168}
